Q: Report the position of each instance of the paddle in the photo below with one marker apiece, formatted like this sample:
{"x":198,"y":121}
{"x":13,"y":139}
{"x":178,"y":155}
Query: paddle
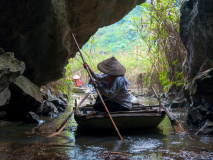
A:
{"x":175,"y":124}
{"x":105,"y":107}
{"x":63,"y":124}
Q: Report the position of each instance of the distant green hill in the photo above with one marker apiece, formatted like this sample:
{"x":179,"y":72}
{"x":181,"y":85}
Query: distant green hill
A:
{"x":117,"y":37}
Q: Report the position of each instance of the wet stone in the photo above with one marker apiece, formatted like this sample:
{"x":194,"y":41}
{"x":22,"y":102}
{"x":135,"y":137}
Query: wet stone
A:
{"x":58,"y":103}
{"x":31,"y":117}
{"x":10,"y":68}
{"x":4,"y":97}
{"x":49,"y":108}
{"x":207,"y":128}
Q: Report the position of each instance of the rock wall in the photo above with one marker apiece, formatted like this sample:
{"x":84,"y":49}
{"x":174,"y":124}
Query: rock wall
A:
{"x":39,"y":32}
{"x":10,"y":69}
{"x":197,"y":36}
{"x":196,"y":31}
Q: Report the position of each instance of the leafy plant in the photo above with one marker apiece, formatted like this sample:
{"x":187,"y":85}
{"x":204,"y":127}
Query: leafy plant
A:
{"x":65,"y":85}
{"x":158,"y":28}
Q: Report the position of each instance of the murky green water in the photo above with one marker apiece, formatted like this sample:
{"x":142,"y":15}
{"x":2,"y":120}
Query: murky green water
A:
{"x":23,"y":141}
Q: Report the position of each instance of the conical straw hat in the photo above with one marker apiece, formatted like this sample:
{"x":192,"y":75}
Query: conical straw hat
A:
{"x":76,"y":76}
{"x":111,"y":66}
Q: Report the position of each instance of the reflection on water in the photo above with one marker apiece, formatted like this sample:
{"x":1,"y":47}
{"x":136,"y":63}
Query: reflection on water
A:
{"x":159,"y":143}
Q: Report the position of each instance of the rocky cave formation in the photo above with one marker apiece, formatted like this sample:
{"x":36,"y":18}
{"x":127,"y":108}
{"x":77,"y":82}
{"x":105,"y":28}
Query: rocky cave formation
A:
{"x":196,"y":31}
{"x":39,"y":33}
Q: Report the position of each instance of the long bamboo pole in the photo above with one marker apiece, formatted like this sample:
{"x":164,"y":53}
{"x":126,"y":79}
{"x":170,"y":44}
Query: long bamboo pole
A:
{"x":174,"y":122}
{"x":64,"y":123}
{"x":105,"y":107}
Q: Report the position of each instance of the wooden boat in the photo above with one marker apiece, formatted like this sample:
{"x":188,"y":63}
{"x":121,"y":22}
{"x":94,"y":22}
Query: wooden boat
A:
{"x":139,"y":117}
{"x":80,"y":89}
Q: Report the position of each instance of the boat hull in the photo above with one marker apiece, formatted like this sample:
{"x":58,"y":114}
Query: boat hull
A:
{"x":123,"y":120}
{"x":79,"y":90}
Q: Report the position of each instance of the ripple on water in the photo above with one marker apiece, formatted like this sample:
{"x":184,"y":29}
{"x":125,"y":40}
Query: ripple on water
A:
{"x":176,"y":142}
{"x":143,"y":144}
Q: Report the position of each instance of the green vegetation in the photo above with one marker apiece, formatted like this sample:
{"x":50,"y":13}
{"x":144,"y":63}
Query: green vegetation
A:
{"x":146,"y":42}
{"x":119,"y":37}
{"x":165,"y":49}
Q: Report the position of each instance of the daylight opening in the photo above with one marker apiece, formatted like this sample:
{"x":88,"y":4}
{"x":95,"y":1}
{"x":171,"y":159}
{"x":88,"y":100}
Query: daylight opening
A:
{"x":146,"y":42}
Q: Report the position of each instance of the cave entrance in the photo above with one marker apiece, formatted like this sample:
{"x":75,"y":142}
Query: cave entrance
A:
{"x":146,"y":41}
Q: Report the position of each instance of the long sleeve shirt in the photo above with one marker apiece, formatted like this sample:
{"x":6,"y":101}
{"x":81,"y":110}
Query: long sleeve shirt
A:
{"x":117,"y":91}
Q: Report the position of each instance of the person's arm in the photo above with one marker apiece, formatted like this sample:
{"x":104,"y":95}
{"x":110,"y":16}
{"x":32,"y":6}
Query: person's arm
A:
{"x":88,"y":67}
{"x":101,"y":78}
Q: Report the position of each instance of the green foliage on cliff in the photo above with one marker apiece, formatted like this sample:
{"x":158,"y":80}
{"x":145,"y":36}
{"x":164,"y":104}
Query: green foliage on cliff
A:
{"x":117,"y":37}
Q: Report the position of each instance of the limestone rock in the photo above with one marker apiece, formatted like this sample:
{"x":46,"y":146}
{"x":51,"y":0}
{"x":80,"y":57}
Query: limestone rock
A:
{"x":207,"y":128}
{"x":10,"y":68}
{"x":4,"y":97}
{"x":58,"y":103}
{"x":196,"y":114}
{"x":31,"y":117}
{"x":197,"y":34}
{"x":202,"y":85}
{"x":49,"y":108}
{"x":39,"y":32}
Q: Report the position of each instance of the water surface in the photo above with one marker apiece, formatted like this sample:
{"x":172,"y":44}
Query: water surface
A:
{"x":24,"y":141}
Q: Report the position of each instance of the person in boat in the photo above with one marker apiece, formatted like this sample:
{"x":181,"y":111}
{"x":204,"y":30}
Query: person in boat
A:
{"x":76,"y":80}
{"x":112,"y":86}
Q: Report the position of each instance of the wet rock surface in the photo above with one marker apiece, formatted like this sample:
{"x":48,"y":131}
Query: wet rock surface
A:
{"x":49,"y":108}
{"x":201,"y":92}
{"x":174,"y":97}
{"x":31,"y":117}
{"x":207,"y":128}
{"x":202,"y":85}
{"x":199,"y":114}
{"x":54,"y":104}
{"x":58,"y":103}
{"x":197,"y":36}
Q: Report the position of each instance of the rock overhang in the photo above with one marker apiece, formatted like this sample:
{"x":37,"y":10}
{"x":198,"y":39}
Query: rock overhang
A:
{"x":39,"y":32}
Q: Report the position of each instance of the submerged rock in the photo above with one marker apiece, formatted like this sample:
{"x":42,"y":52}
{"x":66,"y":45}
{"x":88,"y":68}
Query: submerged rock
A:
{"x":31,"y":117}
